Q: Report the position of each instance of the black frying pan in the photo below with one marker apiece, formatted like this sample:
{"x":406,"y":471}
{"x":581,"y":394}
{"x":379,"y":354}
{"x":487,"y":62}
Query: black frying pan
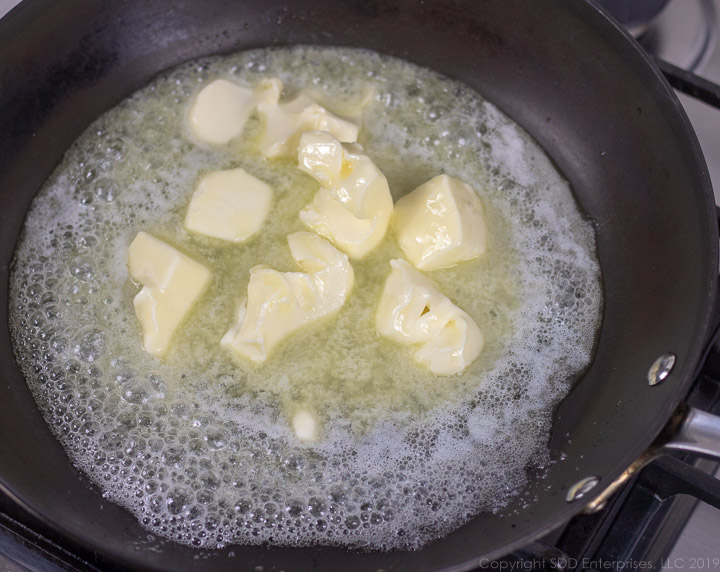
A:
{"x":584,"y":90}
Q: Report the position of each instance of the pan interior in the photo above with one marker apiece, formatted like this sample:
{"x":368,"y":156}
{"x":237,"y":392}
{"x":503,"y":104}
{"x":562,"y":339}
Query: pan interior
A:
{"x":200,"y":448}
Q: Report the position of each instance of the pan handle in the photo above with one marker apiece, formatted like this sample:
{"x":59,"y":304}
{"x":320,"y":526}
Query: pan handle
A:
{"x":690,"y":430}
{"x":698,"y":432}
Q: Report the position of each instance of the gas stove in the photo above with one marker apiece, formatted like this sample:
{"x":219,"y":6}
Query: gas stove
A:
{"x":668,"y":515}
{"x":686,"y":35}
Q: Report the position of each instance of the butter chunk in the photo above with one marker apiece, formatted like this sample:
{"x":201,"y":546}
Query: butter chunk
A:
{"x":280,"y":303}
{"x":222,"y":108}
{"x":231,"y":205}
{"x":172,"y":283}
{"x":353,"y":206}
{"x":305,"y":426}
{"x":350,"y":110}
{"x":413,"y":311}
{"x":440,"y":224}
{"x":286,"y":122}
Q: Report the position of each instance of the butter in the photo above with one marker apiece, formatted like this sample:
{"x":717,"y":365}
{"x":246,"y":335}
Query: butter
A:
{"x":440,"y":224}
{"x":351,"y":110}
{"x":222,"y":108}
{"x":172,"y":283}
{"x":286,"y":122}
{"x":413,"y":311}
{"x":230,"y":205}
{"x":280,"y":303}
{"x":353,"y":206}
{"x":305,"y":426}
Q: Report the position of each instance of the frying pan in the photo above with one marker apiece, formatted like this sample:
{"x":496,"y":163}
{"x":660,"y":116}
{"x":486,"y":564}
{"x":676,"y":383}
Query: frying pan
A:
{"x":583,"y":89}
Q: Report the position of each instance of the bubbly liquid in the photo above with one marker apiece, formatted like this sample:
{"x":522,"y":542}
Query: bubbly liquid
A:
{"x":198,"y":445}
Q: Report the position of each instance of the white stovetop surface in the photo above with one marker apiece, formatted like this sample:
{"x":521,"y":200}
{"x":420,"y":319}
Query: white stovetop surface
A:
{"x":699,"y":545}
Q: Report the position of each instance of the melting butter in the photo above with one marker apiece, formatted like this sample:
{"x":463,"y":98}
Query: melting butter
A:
{"x":353,"y":206}
{"x":221,"y":109}
{"x":230,"y":205}
{"x":286,"y":122}
{"x":413,"y":311}
{"x":171,"y":284}
{"x":280,"y":303}
{"x":441,"y":223}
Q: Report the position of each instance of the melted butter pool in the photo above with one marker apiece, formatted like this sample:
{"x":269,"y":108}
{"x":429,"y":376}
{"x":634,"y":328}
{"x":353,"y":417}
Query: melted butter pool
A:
{"x":198,"y":445}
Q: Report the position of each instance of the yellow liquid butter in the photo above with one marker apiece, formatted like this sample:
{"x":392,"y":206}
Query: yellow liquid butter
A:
{"x":199,"y":445}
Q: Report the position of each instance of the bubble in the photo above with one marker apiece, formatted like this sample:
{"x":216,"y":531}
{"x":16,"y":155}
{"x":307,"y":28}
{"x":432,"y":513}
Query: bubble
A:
{"x":294,"y":507}
{"x":81,"y":268}
{"x":352,"y":522}
{"x":90,"y":344}
{"x":317,"y":506}
{"x":105,"y":190}
{"x":173,"y":456}
{"x":135,"y":392}
{"x":157,"y":384}
{"x":216,"y":440}
{"x":178,"y":500}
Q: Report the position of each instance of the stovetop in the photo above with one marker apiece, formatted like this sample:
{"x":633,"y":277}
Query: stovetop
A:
{"x":653,"y":522}
{"x":700,"y":53}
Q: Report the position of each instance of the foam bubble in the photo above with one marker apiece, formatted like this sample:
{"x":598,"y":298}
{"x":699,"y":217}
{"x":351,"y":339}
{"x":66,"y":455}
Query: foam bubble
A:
{"x":199,"y":447}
